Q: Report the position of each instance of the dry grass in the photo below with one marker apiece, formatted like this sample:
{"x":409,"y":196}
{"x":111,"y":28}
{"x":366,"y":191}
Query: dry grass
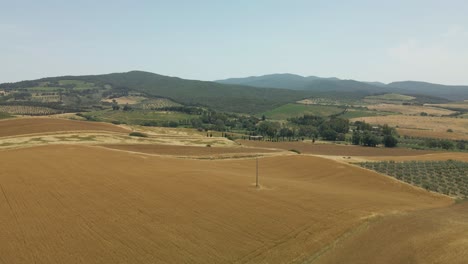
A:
{"x":456,"y":105}
{"x":79,"y":204}
{"x":432,"y":134}
{"x":410,"y":109}
{"x":423,"y":126}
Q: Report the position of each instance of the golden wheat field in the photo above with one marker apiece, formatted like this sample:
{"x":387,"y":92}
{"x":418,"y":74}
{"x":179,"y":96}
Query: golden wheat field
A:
{"x":126,"y":204}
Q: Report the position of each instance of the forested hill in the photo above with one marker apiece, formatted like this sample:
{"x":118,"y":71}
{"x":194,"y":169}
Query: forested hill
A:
{"x":223,"y":97}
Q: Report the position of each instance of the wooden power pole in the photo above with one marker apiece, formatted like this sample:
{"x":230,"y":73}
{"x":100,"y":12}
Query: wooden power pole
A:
{"x":256,"y":175}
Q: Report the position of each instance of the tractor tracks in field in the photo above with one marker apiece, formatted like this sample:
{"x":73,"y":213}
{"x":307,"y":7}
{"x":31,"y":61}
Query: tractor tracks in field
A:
{"x":13,"y":212}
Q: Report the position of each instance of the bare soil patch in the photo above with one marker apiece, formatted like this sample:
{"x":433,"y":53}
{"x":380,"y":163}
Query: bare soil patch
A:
{"x":81,"y":204}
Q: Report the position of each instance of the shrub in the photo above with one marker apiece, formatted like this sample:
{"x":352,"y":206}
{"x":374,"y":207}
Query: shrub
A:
{"x":137,"y":134}
{"x":295,"y":150}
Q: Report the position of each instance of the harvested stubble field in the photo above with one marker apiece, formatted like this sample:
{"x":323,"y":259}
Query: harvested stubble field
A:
{"x":26,"y":126}
{"x":456,"y":105}
{"x":83,"y":204}
{"x":334,"y":150}
{"x":398,"y":239}
{"x":419,"y":133}
{"x":189,"y":151}
{"x":423,"y":126}
{"x":410,"y":109}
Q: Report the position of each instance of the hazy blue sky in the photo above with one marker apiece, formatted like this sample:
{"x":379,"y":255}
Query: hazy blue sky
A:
{"x":364,"y":40}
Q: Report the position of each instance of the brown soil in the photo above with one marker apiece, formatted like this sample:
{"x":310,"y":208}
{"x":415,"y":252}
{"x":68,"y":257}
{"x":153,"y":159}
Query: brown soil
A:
{"x":81,"y":204}
{"x":333,"y":149}
{"x":187,"y":150}
{"x":25,"y":126}
{"x":428,"y":236}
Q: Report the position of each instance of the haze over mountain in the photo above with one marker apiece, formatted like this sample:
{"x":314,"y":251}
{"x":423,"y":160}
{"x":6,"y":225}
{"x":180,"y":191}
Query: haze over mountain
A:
{"x":319,"y":84}
{"x":242,"y":95}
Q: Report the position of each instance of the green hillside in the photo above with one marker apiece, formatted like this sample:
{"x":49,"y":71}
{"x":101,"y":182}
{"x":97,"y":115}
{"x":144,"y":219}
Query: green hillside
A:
{"x":222,"y":97}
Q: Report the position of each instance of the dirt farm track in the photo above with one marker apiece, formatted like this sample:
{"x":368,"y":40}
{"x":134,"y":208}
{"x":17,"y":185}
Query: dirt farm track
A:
{"x":97,"y":203}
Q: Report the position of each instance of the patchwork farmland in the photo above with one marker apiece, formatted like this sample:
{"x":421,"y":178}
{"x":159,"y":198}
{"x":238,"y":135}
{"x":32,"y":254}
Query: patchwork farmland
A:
{"x":142,"y":203}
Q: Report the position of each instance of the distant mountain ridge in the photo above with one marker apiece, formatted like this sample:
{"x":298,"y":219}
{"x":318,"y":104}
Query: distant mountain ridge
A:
{"x":333,"y":84}
{"x":280,"y":80}
{"x":451,"y":92}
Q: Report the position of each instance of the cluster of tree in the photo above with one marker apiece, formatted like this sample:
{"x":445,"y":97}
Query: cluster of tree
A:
{"x":366,"y":135}
{"x":310,"y":126}
{"x":306,"y":126}
{"x":212,"y":120}
{"x":208,"y":120}
{"x":115,"y":92}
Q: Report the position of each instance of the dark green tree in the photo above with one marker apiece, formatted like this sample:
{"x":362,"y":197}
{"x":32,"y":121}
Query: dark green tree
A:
{"x":390,"y":141}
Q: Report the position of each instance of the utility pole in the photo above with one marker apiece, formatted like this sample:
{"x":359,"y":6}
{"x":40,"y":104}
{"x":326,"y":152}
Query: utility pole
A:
{"x":256,"y":177}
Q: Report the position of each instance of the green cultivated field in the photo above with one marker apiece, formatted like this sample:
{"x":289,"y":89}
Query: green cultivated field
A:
{"x":293,"y":110}
{"x":447,"y":177}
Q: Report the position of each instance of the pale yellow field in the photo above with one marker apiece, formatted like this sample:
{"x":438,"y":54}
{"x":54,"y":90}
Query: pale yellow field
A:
{"x":410,"y":109}
{"x":457,"y":105}
{"x":423,"y":126}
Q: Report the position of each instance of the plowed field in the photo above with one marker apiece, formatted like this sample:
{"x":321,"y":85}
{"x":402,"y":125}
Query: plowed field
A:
{"x":187,"y":150}
{"x":429,"y":236}
{"x":82,"y":204}
{"x":334,"y":150}
{"x":25,"y":126}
